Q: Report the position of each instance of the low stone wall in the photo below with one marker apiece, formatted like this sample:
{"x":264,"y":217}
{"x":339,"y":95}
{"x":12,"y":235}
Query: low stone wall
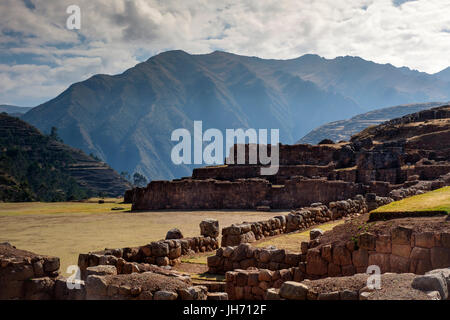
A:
{"x":245,"y":256}
{"x":24,"y":275}
{"x":252,"y":284}
{"x":300,"y":219}
{"x":160,"y":253}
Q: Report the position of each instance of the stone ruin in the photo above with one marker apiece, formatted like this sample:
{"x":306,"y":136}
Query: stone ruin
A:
{"x":140,"y":273}
{"x":396,"y":155}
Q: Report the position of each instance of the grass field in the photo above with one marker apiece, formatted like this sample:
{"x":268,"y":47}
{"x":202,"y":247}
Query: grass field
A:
{"x":433,"y":201}
{"x":67,"y":229}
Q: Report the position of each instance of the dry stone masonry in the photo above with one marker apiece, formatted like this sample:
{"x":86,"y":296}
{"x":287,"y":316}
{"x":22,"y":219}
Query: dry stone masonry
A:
{"x":397,"y":155}
{"x":160,"y":253}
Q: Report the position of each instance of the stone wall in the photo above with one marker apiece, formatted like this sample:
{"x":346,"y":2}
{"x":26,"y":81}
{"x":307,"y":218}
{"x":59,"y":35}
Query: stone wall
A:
{"x":400,"y":251}
{"x":300,"y":219}
{"x":250,"y":271}
{"x":253,"y":284}
{"x":161,"y":253}
{"x":201,"y":194}
{"x":24,"y":275}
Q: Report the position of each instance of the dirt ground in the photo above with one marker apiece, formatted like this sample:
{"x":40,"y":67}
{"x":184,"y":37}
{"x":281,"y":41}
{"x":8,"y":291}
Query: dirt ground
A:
{"x":66,"y":229}
{"x":346,"y":231}
{"x":393,"y":286}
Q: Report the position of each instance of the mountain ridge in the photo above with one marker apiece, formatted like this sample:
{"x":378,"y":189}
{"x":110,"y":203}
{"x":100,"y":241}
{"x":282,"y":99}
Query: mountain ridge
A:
{"x":127,"y":119}
{"x":342,"y":130}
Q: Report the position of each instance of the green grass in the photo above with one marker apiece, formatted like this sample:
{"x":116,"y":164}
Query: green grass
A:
{"x":196,"y":259}
{"x":427,"y":204}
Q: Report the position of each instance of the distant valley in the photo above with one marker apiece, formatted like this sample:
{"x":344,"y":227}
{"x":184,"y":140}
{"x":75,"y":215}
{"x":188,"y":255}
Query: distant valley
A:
{"x":344,"y":129}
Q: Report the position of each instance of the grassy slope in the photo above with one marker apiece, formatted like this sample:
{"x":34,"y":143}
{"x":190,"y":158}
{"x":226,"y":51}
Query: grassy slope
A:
{"x":437,"y":200}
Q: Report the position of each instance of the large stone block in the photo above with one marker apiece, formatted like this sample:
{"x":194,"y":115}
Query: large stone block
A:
{"x":384,"y":244}
{"x":424,"y":239}
{"x":315,"y":264}
{"x":401,"y":235}
{"x":399,"y":264}
{"x":420,"y":254}
{"x":293,"y":290}
{"x":431,"y":282}
{"x":39,"y":289}
{"x":440,"y":257}
{"x":160,"y":248}
{"x":360,"y":258}
{"x":174,"y":233}
{"x":381,"y":260}
{"x":209,"y":228}
{"x":367,"y":241}
{"x":402,"y":250}
{"x":96,"y":287}
{"x":342,"y":256}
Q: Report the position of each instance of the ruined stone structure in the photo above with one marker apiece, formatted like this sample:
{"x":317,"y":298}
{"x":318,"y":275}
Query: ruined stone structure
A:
{"x":160,"y":253}
{"x":400,"y":251}
{"x":112,"y":274}
{"x":398,"y":154}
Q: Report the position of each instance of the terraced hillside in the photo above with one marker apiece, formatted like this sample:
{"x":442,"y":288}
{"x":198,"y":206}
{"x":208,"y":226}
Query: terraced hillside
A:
{"x":36,"y":167}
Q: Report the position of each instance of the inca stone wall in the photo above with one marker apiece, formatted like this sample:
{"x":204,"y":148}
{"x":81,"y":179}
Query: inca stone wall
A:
{"x":401,"y":251}
{"x":24,"y":275}
{"x":160,"y":253}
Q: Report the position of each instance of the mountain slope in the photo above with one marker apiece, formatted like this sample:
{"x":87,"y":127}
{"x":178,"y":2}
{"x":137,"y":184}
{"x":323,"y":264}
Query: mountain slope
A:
{"x":38,"y":167}
{"x":127,"y":119}
{"x":344,"y":129}
{"x":444,"y":74}
{"x":13,"y":110}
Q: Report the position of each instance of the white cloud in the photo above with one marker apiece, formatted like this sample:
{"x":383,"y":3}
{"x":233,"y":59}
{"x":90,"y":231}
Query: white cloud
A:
{"x":115,"y":34}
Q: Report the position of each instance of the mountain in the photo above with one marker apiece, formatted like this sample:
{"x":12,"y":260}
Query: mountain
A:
{"x":14,"y":110}
{"x":444,"y":74}
{"x":41,"y":168}
{"x":127,"y":119}
{"x":344,"y":129}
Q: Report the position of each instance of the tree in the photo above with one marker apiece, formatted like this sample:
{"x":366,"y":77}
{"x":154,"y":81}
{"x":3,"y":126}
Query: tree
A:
{"x":54,"y":134}
{"x":139,"y":180}
{"x":125,"y":175}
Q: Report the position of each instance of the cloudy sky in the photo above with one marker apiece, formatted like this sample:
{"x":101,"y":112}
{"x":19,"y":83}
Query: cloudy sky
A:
{"x":40,"y":57}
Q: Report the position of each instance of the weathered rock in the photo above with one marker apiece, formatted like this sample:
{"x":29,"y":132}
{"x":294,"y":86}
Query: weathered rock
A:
{"x":39,"y":289}
{"x":193,"y":293}
{"x":174,"y":233}
{"x":315,"y":233}
{"x":272,"y":294}
{"x":431,"y":282}
{"x":217,"y":296}
{"x":293,"y":290}
{"x":165,"y":295}
{"x":209,"y":228}
{"x":160,"y":248}
{"x":101,"y":270}
{"x":349,"y":295}
{"x":329,"y":296}
{"x":96,"y":287}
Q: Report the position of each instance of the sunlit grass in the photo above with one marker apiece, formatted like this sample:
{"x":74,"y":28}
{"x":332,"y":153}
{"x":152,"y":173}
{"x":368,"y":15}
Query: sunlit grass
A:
{"x":88,"y":206}
{"x":437,"y":200}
